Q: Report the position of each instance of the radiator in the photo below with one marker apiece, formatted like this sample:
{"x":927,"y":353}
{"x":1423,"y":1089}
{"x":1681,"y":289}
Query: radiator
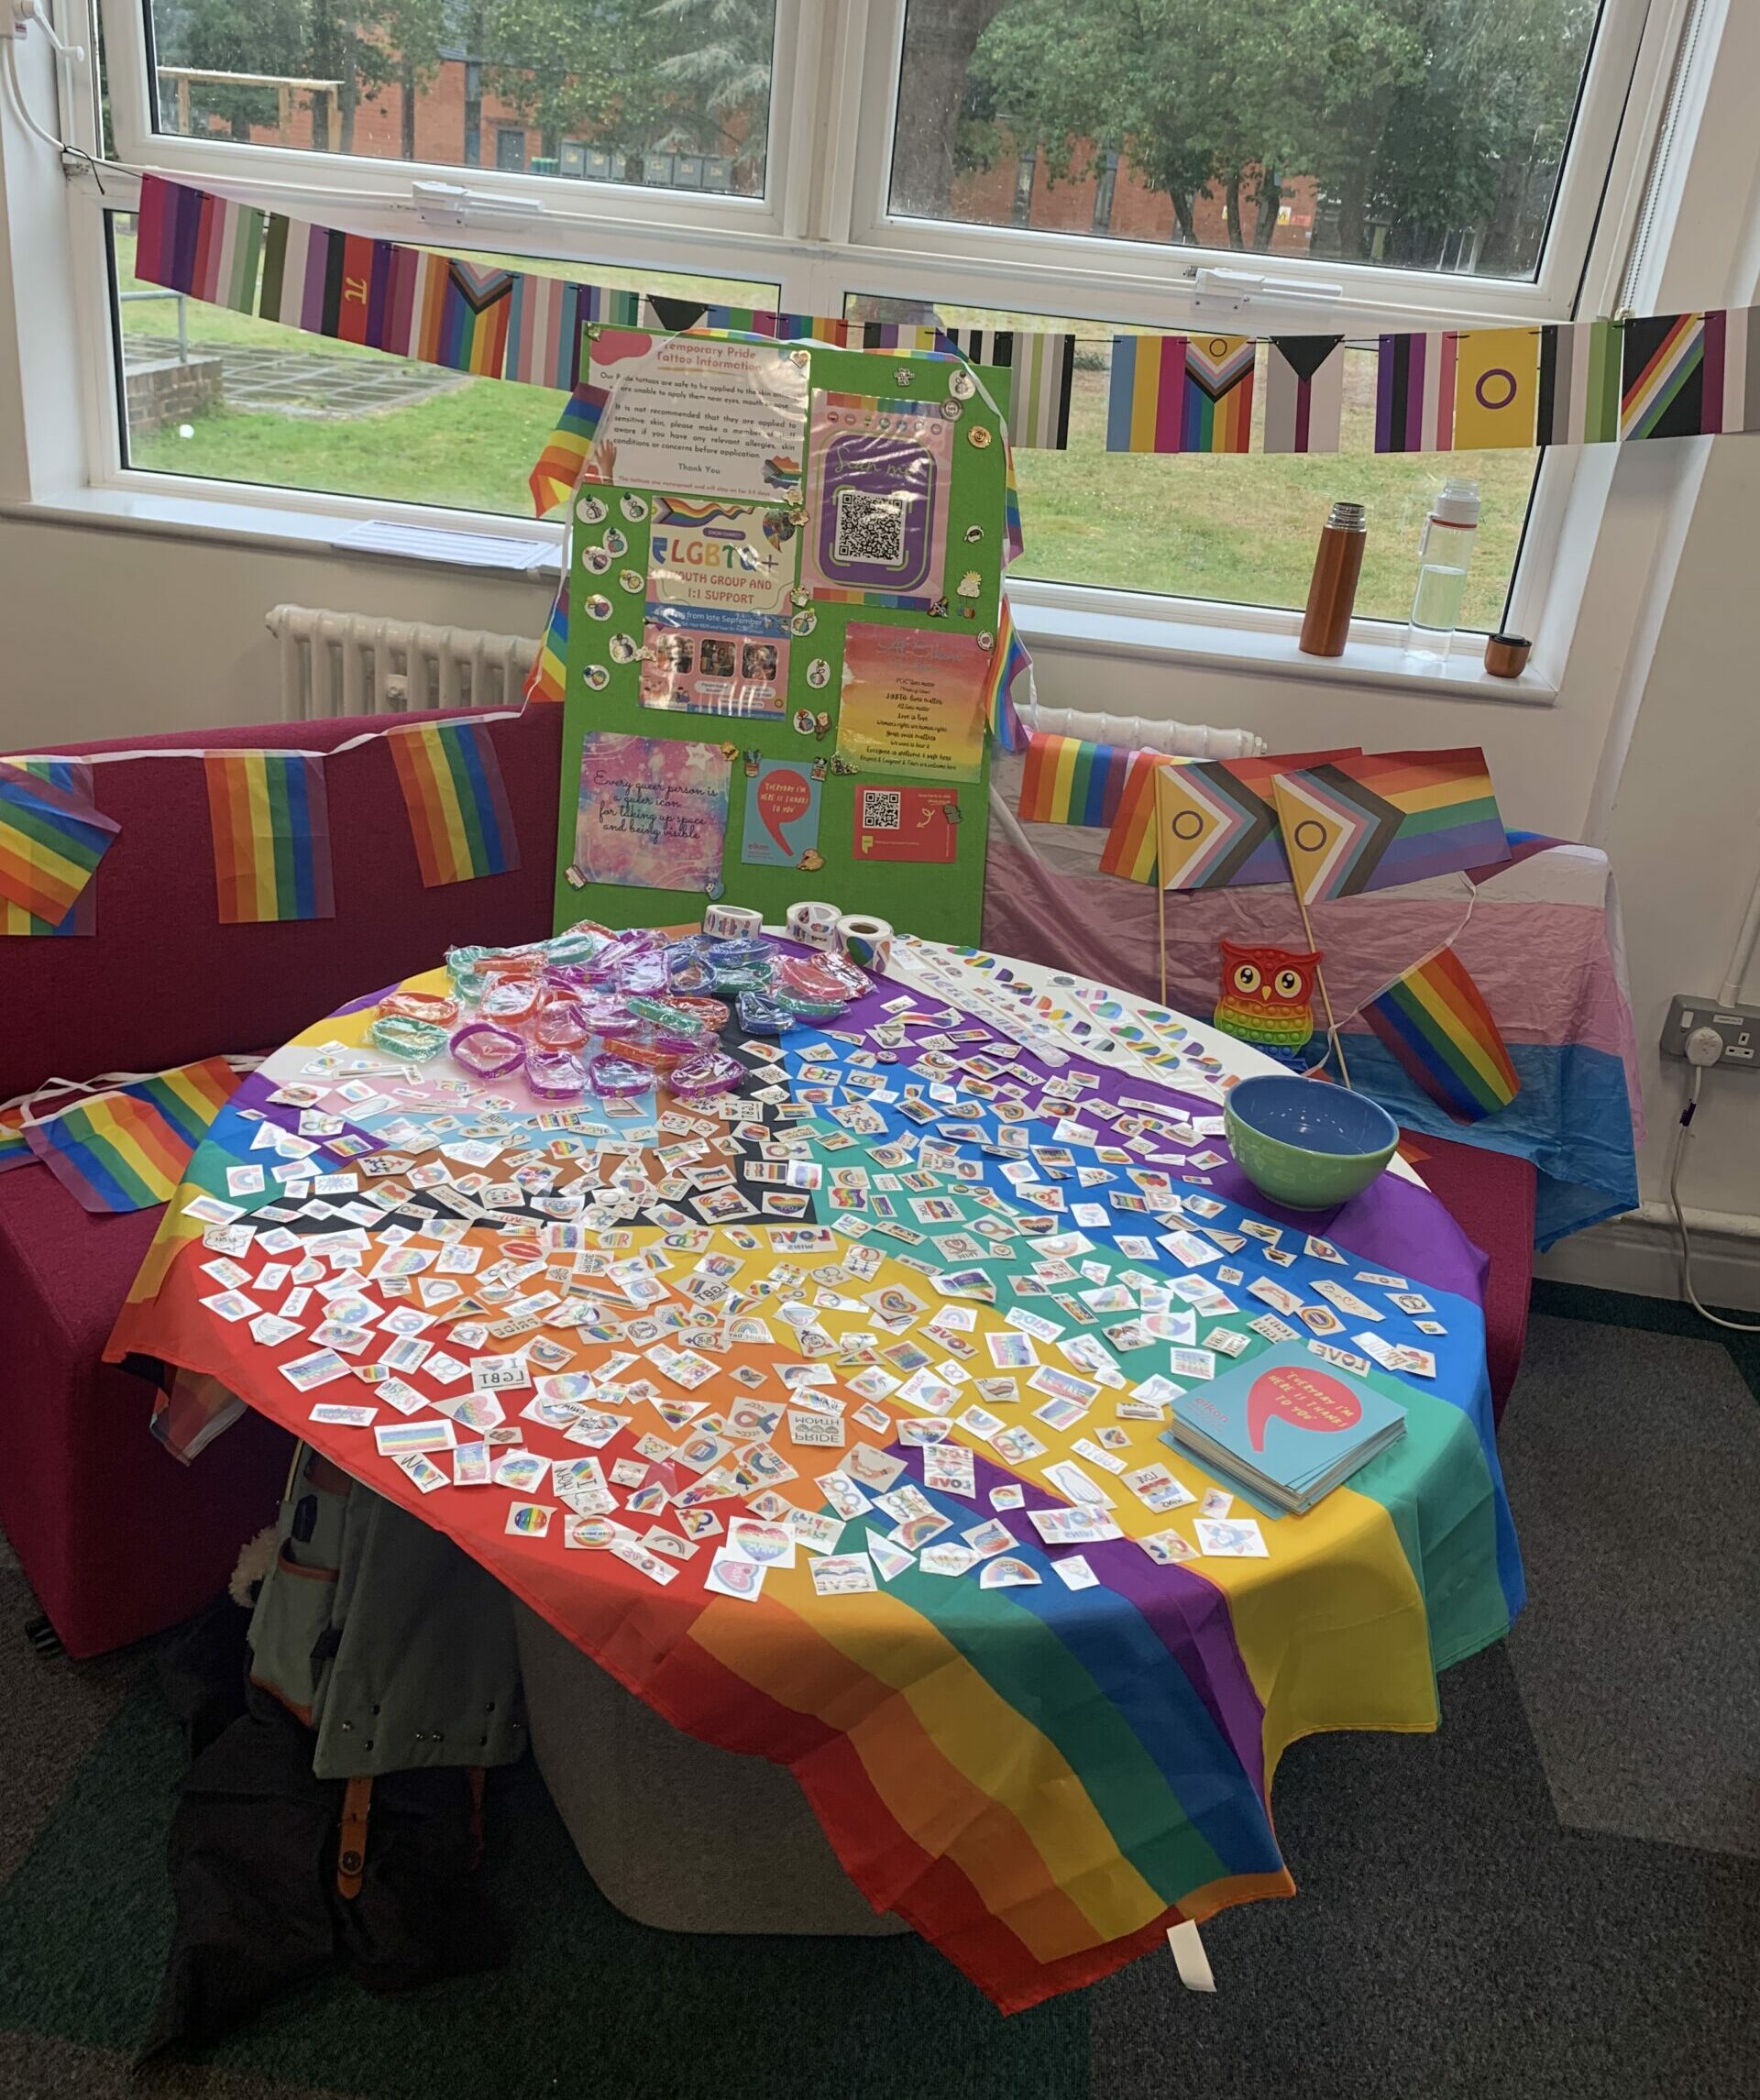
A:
{"x":346,"y":663}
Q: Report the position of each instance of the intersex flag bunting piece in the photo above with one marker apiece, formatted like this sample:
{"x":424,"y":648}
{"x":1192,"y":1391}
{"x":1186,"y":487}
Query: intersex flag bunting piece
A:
{"x":1381,"y":818}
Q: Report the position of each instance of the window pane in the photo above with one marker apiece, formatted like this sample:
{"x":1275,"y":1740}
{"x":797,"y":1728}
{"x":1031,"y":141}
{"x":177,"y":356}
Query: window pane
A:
{"x":1243,"y":530}
{"x":1421,"y":134}
{"x":221,"y":395}
{"x":667,"y":94}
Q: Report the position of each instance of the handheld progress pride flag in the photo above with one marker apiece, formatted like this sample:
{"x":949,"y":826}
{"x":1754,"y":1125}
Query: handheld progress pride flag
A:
{"x":1385,"y":818}
{"x":127,"y":1149}
{"x":1217,"y":828}
{"x":1435,"y":1022}
{"x":271,"y":822}
{"x":51,"y":840}
{"x":456,"y":801}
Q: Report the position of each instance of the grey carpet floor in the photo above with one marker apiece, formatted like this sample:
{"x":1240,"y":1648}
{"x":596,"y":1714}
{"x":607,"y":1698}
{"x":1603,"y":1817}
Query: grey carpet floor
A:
{"x":1555,"y":1898}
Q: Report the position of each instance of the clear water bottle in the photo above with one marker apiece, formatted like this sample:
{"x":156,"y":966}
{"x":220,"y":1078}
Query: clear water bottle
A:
{"x":1445,"y":554}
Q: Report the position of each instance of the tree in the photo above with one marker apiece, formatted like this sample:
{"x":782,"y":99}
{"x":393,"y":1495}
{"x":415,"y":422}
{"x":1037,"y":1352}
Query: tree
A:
{"x":235,"y":36}
{"x":584,"y":69}
{"x":943,"y":37}
{"x":721,"y":74}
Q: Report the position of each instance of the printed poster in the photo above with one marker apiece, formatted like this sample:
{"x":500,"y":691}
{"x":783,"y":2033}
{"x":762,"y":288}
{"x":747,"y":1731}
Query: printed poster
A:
{"x":782,"y":798}
{"x":651,"y":814}
{"x":686,"y":412}
{"x":716,"y":636}
{"x":913,"y":701}
{"x":908,"y":824}
{"x":876,"y":498}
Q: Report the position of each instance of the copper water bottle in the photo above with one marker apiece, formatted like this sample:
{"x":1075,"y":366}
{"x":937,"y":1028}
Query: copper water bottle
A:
{"x":1326,"y":626}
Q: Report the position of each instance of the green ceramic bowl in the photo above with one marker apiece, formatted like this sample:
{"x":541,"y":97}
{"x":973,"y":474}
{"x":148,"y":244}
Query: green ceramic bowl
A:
{"x":1306,"y":1145}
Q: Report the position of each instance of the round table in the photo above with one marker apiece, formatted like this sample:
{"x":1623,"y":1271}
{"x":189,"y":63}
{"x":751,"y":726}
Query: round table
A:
{"x":858,"y":1273}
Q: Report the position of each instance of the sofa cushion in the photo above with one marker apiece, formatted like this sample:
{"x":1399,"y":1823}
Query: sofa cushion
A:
{"x":162,"y":982}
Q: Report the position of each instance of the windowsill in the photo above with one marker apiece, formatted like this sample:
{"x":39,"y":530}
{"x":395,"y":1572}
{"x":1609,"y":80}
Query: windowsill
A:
{"x":1258,"y":643}
{"x":1372,"y":656}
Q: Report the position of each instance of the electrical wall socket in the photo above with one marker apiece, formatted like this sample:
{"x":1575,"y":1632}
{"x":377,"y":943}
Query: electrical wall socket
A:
{"x":1738,"y":1026}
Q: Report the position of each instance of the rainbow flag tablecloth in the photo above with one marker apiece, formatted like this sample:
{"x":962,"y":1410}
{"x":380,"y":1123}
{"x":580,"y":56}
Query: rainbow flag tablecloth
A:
{"x":1039,"y":1778}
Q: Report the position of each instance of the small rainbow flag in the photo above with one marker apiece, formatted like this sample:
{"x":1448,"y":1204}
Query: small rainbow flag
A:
{"x":1384,"y":818}
{"x":548,"y":678}
{"x":271,"y":822}
{"x":73,"y":776}
{"x":1067,"y":780}
{"x":51,"y":840}
{"x":1435,"y":1022}
{"x":127,"y":1149}
{"x":456,"y":801}
{"x":1179,"y":393}
{"x":1008,"y":660}
{"x":557,"y":466}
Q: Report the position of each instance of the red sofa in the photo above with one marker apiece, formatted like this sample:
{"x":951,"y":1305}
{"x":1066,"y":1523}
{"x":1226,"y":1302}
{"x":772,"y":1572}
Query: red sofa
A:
{"x":115,"y":1537}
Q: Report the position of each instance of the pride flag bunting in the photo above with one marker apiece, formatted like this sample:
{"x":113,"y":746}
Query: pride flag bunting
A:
{"x":127,"y":1149}
{"x":269,"y":818}
{"x":1435,"y":1022}
{"x":1304,"y":393}
{"x":51,"y":840}
{"x":1178,"y":394}
{"x":456,"y":801}
{"x":1414,"y":392}
{"x":198,"y":244}
{"x":1381,"y":818}
{"x":73,"y":776}
{"x":1067,"y":780}
{"x":1579,"y":383}
{"x":544,"y":324}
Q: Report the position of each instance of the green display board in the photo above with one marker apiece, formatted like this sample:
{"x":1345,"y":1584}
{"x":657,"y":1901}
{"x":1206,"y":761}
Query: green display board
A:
{"x":756,"y":624}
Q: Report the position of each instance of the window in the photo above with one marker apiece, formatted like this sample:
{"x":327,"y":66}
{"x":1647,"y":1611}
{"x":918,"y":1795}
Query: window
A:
{"x":1080,"y":164}
{"x":633,"y":86}
{"x":1418,"y":136}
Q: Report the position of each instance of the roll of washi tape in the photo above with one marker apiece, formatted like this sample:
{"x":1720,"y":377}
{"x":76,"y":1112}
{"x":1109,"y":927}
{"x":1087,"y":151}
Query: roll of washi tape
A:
{"x":732,"y":922}
{"x":815,"y":924}
{"x":867,"y":941}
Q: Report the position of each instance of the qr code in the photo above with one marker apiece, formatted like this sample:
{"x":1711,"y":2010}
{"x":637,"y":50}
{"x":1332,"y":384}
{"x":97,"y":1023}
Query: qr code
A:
{"x":870,"y":529}
{"x":882,"y":811}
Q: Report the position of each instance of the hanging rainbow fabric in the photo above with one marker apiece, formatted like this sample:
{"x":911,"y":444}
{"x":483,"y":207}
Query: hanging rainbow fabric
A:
{"x":127,"y":1149}
{"x":557,"y":466}
{"x":74,"y":778}
{"x":1178,"y":394}
{"x":1067,"y":780}
{"x":198,"y":244}
{"x":270,"y":817}
{"x":1435,"y":1022}
{"x":1672,"y":375}
{"x":1384,"y":818}
{"x":51,"y":840}
{"x":456,"y":801}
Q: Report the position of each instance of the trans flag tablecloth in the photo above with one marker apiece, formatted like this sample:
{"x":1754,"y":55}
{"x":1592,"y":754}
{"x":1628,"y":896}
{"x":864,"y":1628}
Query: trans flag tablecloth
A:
{"x":793,"y":1320}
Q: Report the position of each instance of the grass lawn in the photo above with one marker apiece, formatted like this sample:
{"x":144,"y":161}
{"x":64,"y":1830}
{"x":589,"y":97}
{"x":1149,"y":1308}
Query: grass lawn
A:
{"x":1199,"y":527}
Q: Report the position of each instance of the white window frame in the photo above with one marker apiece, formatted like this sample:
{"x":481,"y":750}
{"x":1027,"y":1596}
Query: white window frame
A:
{"x":824,"y":230}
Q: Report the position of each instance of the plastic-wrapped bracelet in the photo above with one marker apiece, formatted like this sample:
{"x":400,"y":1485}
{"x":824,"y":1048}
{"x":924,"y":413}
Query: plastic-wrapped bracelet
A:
{"x":554,"y":1075}
{"x":489,"y":1052}
{"x":417,"y":1040}
{"x":434,"y":1007}
{"x":759,"y":1015}
{"x":615,"y":1078}
{"x":698,"y":1077}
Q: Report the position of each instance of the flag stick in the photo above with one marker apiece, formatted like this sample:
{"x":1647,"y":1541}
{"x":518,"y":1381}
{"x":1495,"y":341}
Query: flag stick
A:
{"x":1320,"y":979}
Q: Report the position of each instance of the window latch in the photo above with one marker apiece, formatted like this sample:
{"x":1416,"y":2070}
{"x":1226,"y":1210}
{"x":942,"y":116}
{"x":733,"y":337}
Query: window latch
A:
{"x":1238,"y":288}
{"x":452,"y":204}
